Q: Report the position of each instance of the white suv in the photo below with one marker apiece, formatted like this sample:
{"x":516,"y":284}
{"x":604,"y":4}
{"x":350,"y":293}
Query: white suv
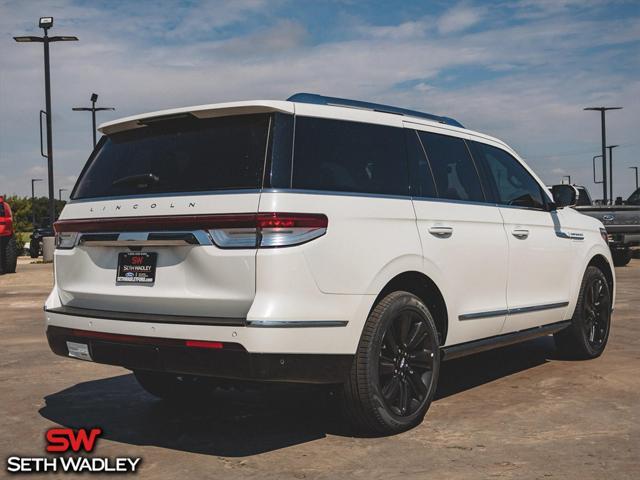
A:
{"x":318,"y":240}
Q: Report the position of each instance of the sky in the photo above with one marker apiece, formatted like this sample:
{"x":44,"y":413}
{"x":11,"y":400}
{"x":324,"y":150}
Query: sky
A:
{"x":519,"y":70}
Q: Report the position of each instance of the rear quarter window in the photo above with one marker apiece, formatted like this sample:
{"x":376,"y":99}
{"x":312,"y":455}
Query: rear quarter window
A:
{"x":335,"y":155}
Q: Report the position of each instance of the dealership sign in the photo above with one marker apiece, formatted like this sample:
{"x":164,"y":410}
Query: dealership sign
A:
{"x":66,"y":440}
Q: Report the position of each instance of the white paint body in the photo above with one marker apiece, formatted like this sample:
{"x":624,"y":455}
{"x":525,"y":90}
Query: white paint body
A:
{"x":481,"y":267}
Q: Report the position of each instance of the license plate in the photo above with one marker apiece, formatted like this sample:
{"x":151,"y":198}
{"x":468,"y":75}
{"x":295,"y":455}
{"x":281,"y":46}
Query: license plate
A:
{"x":79,"y":350}
{"x":137,"y":268}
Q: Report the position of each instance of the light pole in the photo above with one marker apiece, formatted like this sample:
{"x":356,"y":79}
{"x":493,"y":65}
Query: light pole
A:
{"x":60,"y":190}
{"x":566,"y":176}
{"x":636,"y":169}
{"x":46,"y":23}
{"x":611,"y":147}
{"x":602,"y":111}
{"x":33,"y":201}
{"x":93,"y":110}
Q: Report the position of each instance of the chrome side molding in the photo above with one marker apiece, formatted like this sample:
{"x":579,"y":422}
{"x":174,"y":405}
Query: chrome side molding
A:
{"x":512,"y":311}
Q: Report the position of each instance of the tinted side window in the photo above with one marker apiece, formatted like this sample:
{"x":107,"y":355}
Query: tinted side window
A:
{"x":514,"y":185}
{"x":453,"y":169}
{"x":421,"y":177}
{"x":349,"y":157}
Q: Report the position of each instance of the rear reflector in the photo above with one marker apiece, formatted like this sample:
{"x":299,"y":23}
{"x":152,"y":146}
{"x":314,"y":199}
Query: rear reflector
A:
{"x":139,"y":340}
{"x":203,"y":344}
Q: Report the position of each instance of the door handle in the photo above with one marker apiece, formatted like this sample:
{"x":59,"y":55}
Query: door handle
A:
{"x":520,"y":233}
{"x":440,"y":231}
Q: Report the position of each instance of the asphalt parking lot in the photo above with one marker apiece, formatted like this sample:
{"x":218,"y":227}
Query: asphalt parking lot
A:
{"x":515,"y":412}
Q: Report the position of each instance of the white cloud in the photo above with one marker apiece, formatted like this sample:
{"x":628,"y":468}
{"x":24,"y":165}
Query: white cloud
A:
{"x":459,"y":18}
{"x":540,"y":75}
{"x":37,"y":170}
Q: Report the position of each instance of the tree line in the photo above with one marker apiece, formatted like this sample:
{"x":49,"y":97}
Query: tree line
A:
{"x":22,"y":212}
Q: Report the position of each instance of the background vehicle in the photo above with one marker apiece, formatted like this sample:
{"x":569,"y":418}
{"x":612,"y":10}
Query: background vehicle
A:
{"x":35,"y":244}
{"x":622,"y":223}
{"x":318,"y":240}
{"x":8,"y":245}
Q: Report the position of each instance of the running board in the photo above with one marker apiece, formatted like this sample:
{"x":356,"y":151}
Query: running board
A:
{"x":477,"y":346}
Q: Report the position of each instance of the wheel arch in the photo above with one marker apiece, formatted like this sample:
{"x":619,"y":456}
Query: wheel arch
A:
{"x":426,"y":290}
{"x":603,"y":264}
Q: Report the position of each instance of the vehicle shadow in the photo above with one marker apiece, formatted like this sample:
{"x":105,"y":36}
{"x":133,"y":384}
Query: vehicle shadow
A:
{"x":256,"y":420}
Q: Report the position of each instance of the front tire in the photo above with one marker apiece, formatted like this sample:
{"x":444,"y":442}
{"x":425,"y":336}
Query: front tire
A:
{"x":395,"y":371}
{"x":587,"y":336}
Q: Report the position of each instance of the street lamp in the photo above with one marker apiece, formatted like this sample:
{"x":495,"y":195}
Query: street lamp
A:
{"x":602,"y":111}
{"x":566,"y":176}
{"x":636,"y":169}
{"x":46,"y":23}
{"x":93,"y":110}
{"x":33,"y":201}
{"x":60,"y":190}
{"x":611,"y":147}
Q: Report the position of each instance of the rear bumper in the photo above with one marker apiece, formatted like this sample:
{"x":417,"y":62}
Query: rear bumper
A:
{"x":172,"y":355}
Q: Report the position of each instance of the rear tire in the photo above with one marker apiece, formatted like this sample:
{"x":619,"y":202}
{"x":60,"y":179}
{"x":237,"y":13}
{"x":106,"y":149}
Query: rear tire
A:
{"x":173,"y":387}
{"x":395,"y":371}
{"x":8,"y":255}
{"x":621,"y":257}
{"x":34,"y":249}
{"x":587,"y":336}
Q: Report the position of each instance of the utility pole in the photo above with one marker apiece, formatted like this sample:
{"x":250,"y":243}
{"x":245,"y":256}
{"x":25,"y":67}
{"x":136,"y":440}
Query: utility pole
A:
{"x":602,"y":111}
{"x":636,"y":169}
{"x":33,"y":201}
{"x":611,"y":147}
{"x":46,"y":23}
{"x":93,"y":109}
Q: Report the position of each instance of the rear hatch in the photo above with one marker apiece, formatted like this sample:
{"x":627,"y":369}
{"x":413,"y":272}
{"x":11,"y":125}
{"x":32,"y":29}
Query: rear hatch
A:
{"x":160,"y":220}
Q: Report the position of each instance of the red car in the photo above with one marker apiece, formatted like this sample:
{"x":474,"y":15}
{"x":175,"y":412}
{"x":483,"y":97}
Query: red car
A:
{"x":8,"y":246}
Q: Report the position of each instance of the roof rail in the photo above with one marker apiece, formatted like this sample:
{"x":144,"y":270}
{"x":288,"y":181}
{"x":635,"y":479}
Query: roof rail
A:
{"x":376,"y":107}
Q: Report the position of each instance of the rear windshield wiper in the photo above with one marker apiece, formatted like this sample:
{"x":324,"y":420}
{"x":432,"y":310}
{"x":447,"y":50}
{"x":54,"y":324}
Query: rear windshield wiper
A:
{"x":142,"y":180}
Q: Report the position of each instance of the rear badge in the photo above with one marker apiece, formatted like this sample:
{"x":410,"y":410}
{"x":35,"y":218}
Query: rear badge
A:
{"x":79,"y":350}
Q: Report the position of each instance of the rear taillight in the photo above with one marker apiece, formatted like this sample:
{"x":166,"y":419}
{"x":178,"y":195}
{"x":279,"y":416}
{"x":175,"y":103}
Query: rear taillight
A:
{"x":66,"y":240}
{"x":268,"y":230}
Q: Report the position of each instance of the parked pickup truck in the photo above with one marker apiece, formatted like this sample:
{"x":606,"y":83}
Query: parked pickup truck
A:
{"x":8,"y":247}
{"x":621,"y":221}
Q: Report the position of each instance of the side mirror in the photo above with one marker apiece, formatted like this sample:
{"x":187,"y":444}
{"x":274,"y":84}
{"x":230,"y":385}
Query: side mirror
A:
{"x":564,"y":195}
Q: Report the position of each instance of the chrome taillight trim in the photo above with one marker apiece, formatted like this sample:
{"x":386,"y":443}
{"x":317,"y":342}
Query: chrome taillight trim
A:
{"x":226,"y":231}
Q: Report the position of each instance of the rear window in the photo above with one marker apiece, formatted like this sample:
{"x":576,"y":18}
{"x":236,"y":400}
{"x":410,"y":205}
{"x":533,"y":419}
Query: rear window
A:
{"x":335,"y":155}
{"x":185,"y":155}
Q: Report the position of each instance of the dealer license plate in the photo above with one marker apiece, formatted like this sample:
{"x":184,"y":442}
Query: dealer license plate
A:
{"x":137,"y":267}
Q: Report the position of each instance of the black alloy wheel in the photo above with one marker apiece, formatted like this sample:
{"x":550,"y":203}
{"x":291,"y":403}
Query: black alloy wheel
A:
{"x":394,"y":374}
{"x":588,"y":333}
{"x":406,"y":363}
{"x":597,"y":306}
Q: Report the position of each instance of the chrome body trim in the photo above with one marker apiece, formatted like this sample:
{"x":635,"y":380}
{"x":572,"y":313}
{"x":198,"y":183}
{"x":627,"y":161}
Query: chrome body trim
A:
{"x":512,"y":311}
{"x":145,"y":239}
{"x":146,"y":317}
{"x":296,"y":323}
